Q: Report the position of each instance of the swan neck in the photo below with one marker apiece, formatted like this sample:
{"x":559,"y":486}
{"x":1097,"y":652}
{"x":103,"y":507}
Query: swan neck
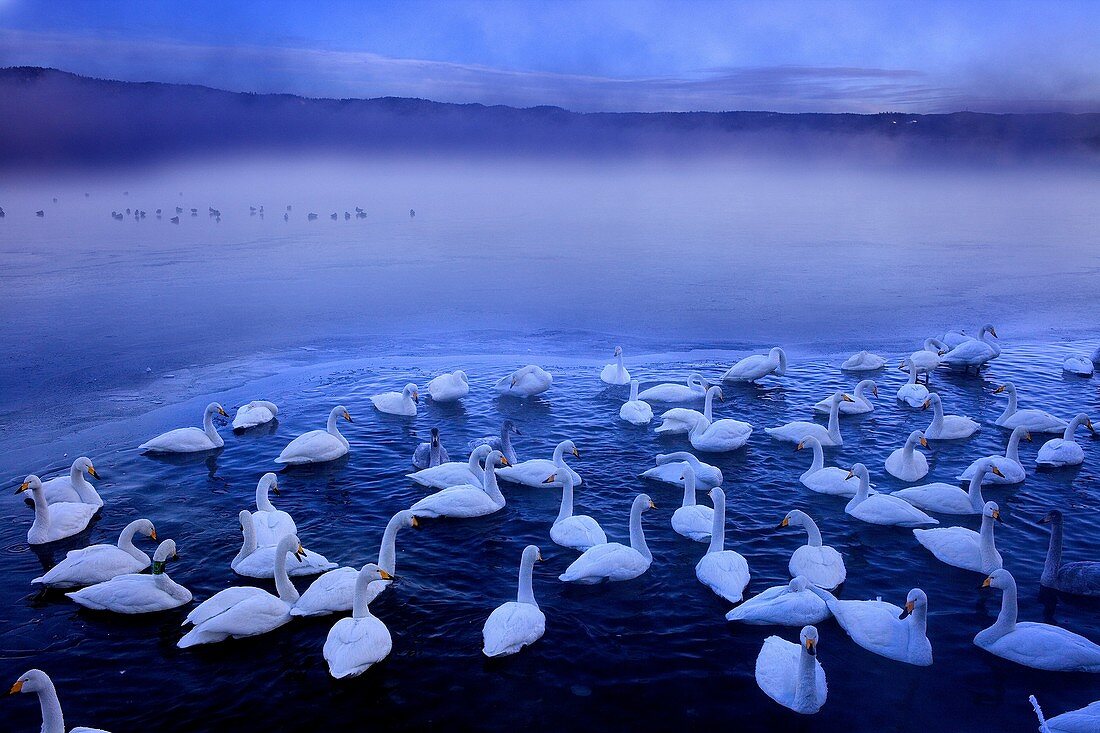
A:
{"x":974,"y":493}
{"x":526,"y":593}
{"x":718,"y":525}
{"x":918,"y":624}
{"x":263,"y":496}
{"x":1054,"y":555}
{"x":1072,"y":428}
{"x":819,"y":457}
{"x":387,"y":550}
{"x":1006,"y":619}
{"x":1012,"y":453}
{"x":1010,"y":410}
{"x":986,"y":545}
{"x":708,"y":406}
{"x":491,"y":487}
{"x":813,"y":534}
{"x":637,"y":536}
{"x":633,"y":391}
{"x":360,"y":607}
{"x":566,"y":509}
{"x":208,"y":427}
{"x":805,"y":692}
{"x":126,"y":544}
{"x":248,"y":545}
{"x":41,"y":508}
{"x":834,"y":420}
{"x":689,"y":489}
{"x":330,"y":427}
{"x":53,"y":720}
{"x":937,"y":415}
{"x":287,"y":592}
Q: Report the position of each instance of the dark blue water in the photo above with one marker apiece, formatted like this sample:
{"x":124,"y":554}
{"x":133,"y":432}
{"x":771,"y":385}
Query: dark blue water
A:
{"x":647,"y":654}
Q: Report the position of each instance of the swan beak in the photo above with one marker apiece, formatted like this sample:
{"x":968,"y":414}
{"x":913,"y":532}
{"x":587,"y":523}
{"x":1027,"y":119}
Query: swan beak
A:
{"x":785,"y":523}
{"x":385,"y":575}
{"x":275,"y":488}
{"x":993,"y":332}
{"x":222,"y":412}
{"x":538,"y":556}
{"x":415,"y":523}
{"x":347,"y":416}
{"x":513,"y":381}
{"x":924,"y":441}
{"x":926,"y":404}
{"x":416,"y":397}
{"x":907,"y":610}
{"x":504,"y":461}
{"x":576,"y":454}
{"x":551,"y":478}
{"x":811,"y":648}
{"x":1088,"y":424}
{"x":92,"y":472}
{"x":874,"y":390}
{"x":997,"y":515}
{"x":299,"y":553}
{"x":1027,"y":437}
{"x":847,"y":398}
{"x":997,"y":471}
{"x":987,"y":582}
{"x":23,"y":487}
{"x":17,"y":687}
{"x":851,"y":474}
{"x":153,"y":535}
{"x":517,"y":431}
{"x":999,"y":389}
{"x":800,"y":446}
{"x":652,"y":505}
{"x":940,"y":353}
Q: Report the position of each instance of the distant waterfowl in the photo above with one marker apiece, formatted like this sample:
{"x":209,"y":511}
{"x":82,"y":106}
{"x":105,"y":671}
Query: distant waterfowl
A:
{"x":430,"y":454}
{"x":792,"y":604}
{"x":355,"y":644}
{"x":896,"y":633}
{"x":692,"y":520}
{"x":449,"y":387}
{"x":1011,"y":470}
{"x":975,"y":353}
{"x":53,"y":721}
{"x":271,"y":524}
{"x":502,"y":443}
{"x":613,"y":561}
{"x":575,"y":531}
{"x":615,"y":373}
{"x":97,"y":563}
{"x":964,"y":548}
{"x":912,"y":393}
{"x":1078,"y":364}
{"x":669,"y":469}
{"x":758,"y":366}
{"x":189,"y":440}
{"x":1084,"y":720}
{"x":254,"y":561}
{"x":883,"y":509}
{"x":134,"y":593}
{"x":533,"y":472}
{"x":519,"y":623}
{"x":693,"y":391}
{"x":907,"y":463}
{"x":318,"y":446}
{"x":73,"y":488}
{"x":54,"y":522}
{"x":527,"y":381}
{"x":863,"y":361}
{"x":820,"y":564}
{"x":254,"y":413}
{"x":680,"y":420}
{"x":790,"y":673}
{"x":949,"y":499}
{"x":726,"y":572}
{"x":719,"y":436}
{"x":1036,"y":421}
{"x":1065,"y":451}
{"x":947,"y":427}
{"x":796,"y":432}
{"x":634,"y":410}
{"x":455,"y":473}
{"x":1080,"y":578}
{"x":825,"y":479}
{"x":398,"y":403}
{"x":858,"y":406}
{"x":466,"y":500}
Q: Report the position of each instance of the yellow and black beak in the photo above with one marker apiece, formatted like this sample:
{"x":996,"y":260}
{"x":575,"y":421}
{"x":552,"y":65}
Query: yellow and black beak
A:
{"x":23,"y":487}
{"x":926,"y":404}
{"x":1088,"y":424}
{"x":993,"y":332}
{"x":997,"y":515}
{"x":576,"y":454}
{"x":987,"y":582}
{"x":851,"y":474}
{"x":811,"y":647}
{"x":222,"y":412}
{"x":1027,"y":437}
{"x":275,"y":488}
{"x":847,"y":398}
{"x":800,"y":446}
{"x":504,"y":461}
{"x":416,"y":397}
{"x":299,"y":553}
{"x":551,"y":478}
{"x":923,"y":441}
{"x":652,"y":505}
{"x":415,"y":523}
{"x":907,"y":610}
{"x":16,"y":688}
{"x":785,"y":523}
{"x":347,"y":416}
{"x":153,"y":535}
{"x":874,"y":390}
{"x":538,"y":556}
{"x":997,"y":471}
{"x":92,"y":472}
{"x":999,"y":389}
{"x":385,"y":575}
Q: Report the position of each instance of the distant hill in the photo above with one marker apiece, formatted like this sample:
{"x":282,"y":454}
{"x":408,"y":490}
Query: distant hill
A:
{"x":50,"y":117}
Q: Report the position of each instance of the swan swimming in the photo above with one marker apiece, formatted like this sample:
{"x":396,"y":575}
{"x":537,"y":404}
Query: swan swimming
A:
{"x":97,"y":563}
{"x":634,"y":410}
{"x":449,"y":387}
{"x":254,"y":413}
{"x":398,"y":403}
{"x":575,"y":531}
{"x":527,"y":381}
{"x":859,"y":405}
{"x":825,"y":479}
{"x":465,"y":501}
{"x":533,"y":472}
{"x":949,"y":499}
{"x":690,"y":519}
{"x":519,"y":623}
{"x":964,"y":548}
{"x":669,"y":469}
{"x":1011,"y":470}
{"x":912,"y":393}
{"x":926,"y":360}
{"x":502,"y":443}
{"x":680,"y":420}
{"x":615,"y":373}
{"x":54,"y":522}
{"x":613,"y":561}
{"x":896,"y":633}
{"x":884,"y":509}
{"x":1036,"y":421}
{"x":355,"y":644}
{"x":758,"y":366}
{"x":693,"y":391}
{"x":189,"y":440}
{"x":135,"y":592}
{"x":53,"y":721}
{"x":431,"y":453}
{"x":792,"y":604}
{"x":270,"y":523}
{"x":974,"y":353}
{"x":719,"y":436}
{"x":455,"y":473}
{"x":318,"y":446}
{"x":947,"y":427}
{"x":1065,"y":451}
{"x":1080,"y":578}
{"x":820,"y":564}
{"x":73,"y":488}
{"x":795,"y":432}
{"x":907,"y":463}
{"x":1078,"y":364}
{"x":254,"y":561}
{"x":726,"y":572}
{"x":863,"y":361}
{"x":790,"y":673}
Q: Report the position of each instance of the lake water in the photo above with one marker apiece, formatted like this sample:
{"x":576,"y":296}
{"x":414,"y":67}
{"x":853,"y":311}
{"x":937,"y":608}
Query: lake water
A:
{"x":113,"y":331}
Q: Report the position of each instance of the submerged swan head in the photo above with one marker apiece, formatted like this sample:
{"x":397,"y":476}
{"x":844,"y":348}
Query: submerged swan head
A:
{"x":809,"y":640}
{"x":33,"y":680}
{"x":917,"y":599}
{"x":1000,"y":579}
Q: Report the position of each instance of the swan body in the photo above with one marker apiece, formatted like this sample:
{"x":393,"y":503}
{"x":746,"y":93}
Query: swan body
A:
{"x":820,"y":564}
{"x":1078,"y":364}
{"x":465,"y":500}
{"x":792,"y":604}
{"x":795,"y":432}
{"x":964,"y":548}
{"x":825,"y":479}
{"x":431,"y":453}
{"x":953,"y":338}
{"x":189,"y":440}
{"x":318,"y":446}
{"x":883,"y":628}
{"x":1064,"y":451}
{"x":726,"y":572}
{"x":692,"y":520}
{"x":912,"y":393}
{"x":680,"y":420}
{"x":575,"y":531}
{"x":53,"y":720}
{"x":948,"y":499}
{"x":98,"y":563}
{"x":270,"y":523}
{"x":1084,"y":720}
{"x":455,"y":473}
{"x":634,"y":410}
{"x":719,"y":436}
{"x":355,"y":644}
{"x":974,"y":352}
{"x":926,"y":360}
{"x":254,"y":561}
{"x":863,"y":361}
{"x":1011,"y":470}
{"x":947,"y":427}
{"x":134,"y":593}
{"x":884,"y":509}
{"x":502,"y":443}
{"x":533,"y":472}
{"x":519,"y":623}
{"x":527,"y":381}
{"x":790,"y":673}
{"x":859,"y":405}
{"x":757,"y":366}
{"x":1036,"y":421}
{"x":613,"y":561}
{"x":669,"y":469}
{"x":54,"y":522}
{"x":615,"y":373}
{"x":907,"y":463}
{"x":254,"y":413}
{"x":1079,"y":578}
{"x":449,"y":387}
{"x":73,"y":488}
{"x":693,"y":391}
{"x":398,"y":403}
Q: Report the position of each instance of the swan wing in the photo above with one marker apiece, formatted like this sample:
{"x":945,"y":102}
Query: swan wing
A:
{"x":312,"y":447}
{"x":512,"y":626}
{"x":354,"y":644}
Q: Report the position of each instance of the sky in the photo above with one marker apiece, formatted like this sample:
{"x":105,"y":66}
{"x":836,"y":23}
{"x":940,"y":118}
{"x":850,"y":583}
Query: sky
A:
{"x":599,"y":55}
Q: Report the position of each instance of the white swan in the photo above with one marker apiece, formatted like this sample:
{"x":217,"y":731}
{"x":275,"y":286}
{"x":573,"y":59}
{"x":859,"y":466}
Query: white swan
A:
{"x":790,"y":673}
{"x":398,"y":403}
{"x":953,"y":338}
{"x":793,"y":604}
{"x":883,"y":509}
{"x":690,"y":519}
{"x":820,"y":564}
{"x":466,"y":500}
{"x":1083,"y":720}
{"x":680,"y":420}
{"x":757,"y":366}
{"x":270,"y":523}
{"x":355,"y":644}
{"x":859,"y":405}
{"x":825,"y":479}
{"x":575,"y":531}
{"x":430,"y":454}
{"x":947,"y":498}
{"x":669,"y":469}
{"x":53,"y":721}
{"x":455,"y":473}
{"x":719,"y":436}
{"x":926,"y":360}
{"x":907,"y":463}
{"x":964,"y":548}
{"x":502,"y":442}
{"x":133,"y":593}
{"x":634,"y":410}
{"x":98,"y":563}
{"x":189,"y":440}
{"x":73,"y":488}
{"x":1041,"y":646}
{"x":254,"y":413}
{"x":1065,"y":451}
{"x":613,"y":561}
{"x":693,"y":391}
{"x":726,"y":572}
{"x":863,"y":361}
{"x":795,"y":432}
{"x":519,"y":623}
{"x":1036,"y":421}
{"x":534,"y":472}
{"x":615,"y":373}
{"x":1011,"y":470}
{"x":527,"y":381}
{"x":254,"y":561}
{"x":241,"y":611}
{"x":912,"y":393}
{"x":318,"y":446}
{"x":975,"y":352}
{"x":54,"y":522}
{"x":896,"y":633}
{"x":947,"y":427}
{"x":449,"y":387}
{"x":1078,"y":364}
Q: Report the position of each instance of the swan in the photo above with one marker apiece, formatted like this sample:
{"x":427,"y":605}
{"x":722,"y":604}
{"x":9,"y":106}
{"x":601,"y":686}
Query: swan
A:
{"x":431,"y":453}
{"x":883,"y":509}
{"x":189,"y":440}
{"x":953,"y":338}
{"x":926,"y":360}
{"x":519,"y":623}
{"x":825,"y":479}
{"x":975,"y":352}
{"x":1012,"y":471}
{"x":533,"y":472}
{"x":241,"y":611}
{"x":719,"y":436}
{"x":575,"y":531}
{"x":669,"y":469}
{"x":907,"y":463}
{"x":912,"y":393}
{"x":527,"y":381}
{"x":398,"y":403}
{"x":1083,"y":720}
{"x":98,"y":563}
{"x":896,"y":633}
{"x":335,"y":590}
{"x":270,"y":523}
{"x":1036,"y":421}
{"x":449,"y":387}
{"x":455,"y":473}
{"x":964,"y":548}
{"x":790,"y":673}
{"x":1078,"y":364}
{"x":1040,"y":646}
{"x":354,"y":644}
{"x":949,"y":499}
{"x":726,"y":572}
{"x":54,"y":522}
{"x":1079,"y":578}
{"x":254,"y":413}
{"x":792,"y":604}
{"x":613,"y":561}
{"x":794,"y":432}
{"x":947,"y":427}
{"x":692,"y":520}
{"x":757,"y":366}
{"x":859,"y":405}
{"x":73,"y":488}
{"x":634,"y":411}
{"x":695,"y":390}
{"x":318,"y":446}
{"x":820,"y":564}
{"x":502,"y":443}
{"x":1065,"y":451}
{"x":466,"y":500}
{"x":254,"y":561}
{"x":863,"y":361}
{"x":53,"y":721}
{"x":133,"y":593}
{"x":680,"y":420}
{"x":615,"y":373}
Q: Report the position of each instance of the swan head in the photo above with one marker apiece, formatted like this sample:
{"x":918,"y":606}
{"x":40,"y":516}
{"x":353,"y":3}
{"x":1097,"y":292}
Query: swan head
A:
{"x":30,"y":483}
{"x":567,"y":446}
{"x":992,"y":510}
{"x":341,"y":411}
{"x":1006,"y":387}
{"x":411,"y":390}
{"x":510,"y":427}
{"x":933,"y":399}
{"x":1000,"y":579}
{"x":644,"y":502}
{"x":986,"y":464}
{"x":618,"y":351}
{"x":715,"y":390}
{"x":808,"y":442}
{"x":372,"y":573}
{"x":1052,"y":517}
{"x":85,"y":464}
{"x":988,"y":328}
{"x":809,"y":640}
{"x":165,"y":551}
{"x":688,"y":472}
{"x":916,"y":599}
{"x":794,"y":518}
{"x":496,"y":458}
{"x":532,"y":554}
{"x":858,"y":471}
{"x":291,"y":543}
{"x":462,"y":375}
{"x":798,"y":584}
{"x":33,"y":680}
{"x":868,"y":384}
{"x":214,"y":407}
{"x":269,"y":482}
{"x":435,"y":437}
{"x":917,"y":436}
{"x":145,"y":527}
